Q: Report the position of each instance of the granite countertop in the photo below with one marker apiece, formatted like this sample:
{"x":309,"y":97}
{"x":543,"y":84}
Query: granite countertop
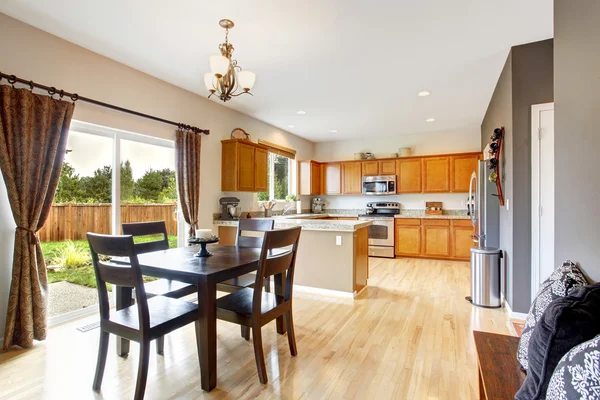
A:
{"x":312,"y":222}
{"x":424,"y":216}
{"x":317,"y":222}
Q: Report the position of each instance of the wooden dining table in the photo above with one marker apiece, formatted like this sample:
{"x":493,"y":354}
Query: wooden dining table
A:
{"x":181,"y":264}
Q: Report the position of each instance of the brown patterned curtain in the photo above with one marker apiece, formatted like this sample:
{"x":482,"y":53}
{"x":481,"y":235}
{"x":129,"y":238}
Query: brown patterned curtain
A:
{"x":187,"y":163}
{"x":33,"y":140}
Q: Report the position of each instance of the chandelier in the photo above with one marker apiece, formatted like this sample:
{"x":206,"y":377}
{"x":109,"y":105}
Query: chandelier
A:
{"x":227,"y":76}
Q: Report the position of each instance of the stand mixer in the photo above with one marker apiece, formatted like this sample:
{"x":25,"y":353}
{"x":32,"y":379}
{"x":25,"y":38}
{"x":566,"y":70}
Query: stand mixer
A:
{"x":230,"y":208}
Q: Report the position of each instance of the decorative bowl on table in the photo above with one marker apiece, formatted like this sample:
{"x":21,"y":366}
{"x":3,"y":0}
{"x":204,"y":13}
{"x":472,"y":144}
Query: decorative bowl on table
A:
{"x":203,"y":241}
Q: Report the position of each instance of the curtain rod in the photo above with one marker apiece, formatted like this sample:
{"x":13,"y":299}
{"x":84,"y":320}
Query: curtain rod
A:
{"x":12,"y":79}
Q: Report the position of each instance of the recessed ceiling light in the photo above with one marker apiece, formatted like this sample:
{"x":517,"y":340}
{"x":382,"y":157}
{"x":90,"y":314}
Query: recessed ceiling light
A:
{"x":301,"y":112}
{"x":424,"y":93}
{"x":333,"y":131}
{"x":430,"y":120}
{"x":291,"y":126}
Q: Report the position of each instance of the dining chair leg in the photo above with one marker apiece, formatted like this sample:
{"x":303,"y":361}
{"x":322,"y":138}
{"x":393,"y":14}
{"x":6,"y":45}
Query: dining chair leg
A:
{"x":259,"y":354}
{"x":140,"y":386}
{"x":102,"y":352}
{"x":245,"y":331}
{"x":267,"y":283}
{"x":289,"y":322}
{"x":160,"y":345}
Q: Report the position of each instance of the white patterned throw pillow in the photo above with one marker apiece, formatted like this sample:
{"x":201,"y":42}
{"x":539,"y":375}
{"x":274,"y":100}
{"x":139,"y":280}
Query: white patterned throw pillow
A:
{"x":577,"y":375}
{"x":562,"y":281}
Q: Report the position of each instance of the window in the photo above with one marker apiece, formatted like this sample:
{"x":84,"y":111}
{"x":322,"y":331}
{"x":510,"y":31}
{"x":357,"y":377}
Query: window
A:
{"x":280,"y":182}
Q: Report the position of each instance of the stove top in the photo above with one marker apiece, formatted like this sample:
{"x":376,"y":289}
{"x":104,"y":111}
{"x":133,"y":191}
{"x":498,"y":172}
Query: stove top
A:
{"x":375,"y":215}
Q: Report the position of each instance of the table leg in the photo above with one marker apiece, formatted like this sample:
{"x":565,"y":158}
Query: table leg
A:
{"x":279,"y":290}
{"x":207,"y":333}
{"x":123,"y":300}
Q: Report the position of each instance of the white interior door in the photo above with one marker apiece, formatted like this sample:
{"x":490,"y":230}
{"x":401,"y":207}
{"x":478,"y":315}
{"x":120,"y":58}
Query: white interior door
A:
{"x":542,"y":193}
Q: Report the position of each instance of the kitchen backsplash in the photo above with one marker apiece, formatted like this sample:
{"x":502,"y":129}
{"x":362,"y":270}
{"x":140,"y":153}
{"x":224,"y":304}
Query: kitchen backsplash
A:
{"x":452,"y":201}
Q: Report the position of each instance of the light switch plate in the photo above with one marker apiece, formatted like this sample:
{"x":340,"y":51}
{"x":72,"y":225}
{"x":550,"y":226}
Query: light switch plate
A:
{"x":338,"y":240}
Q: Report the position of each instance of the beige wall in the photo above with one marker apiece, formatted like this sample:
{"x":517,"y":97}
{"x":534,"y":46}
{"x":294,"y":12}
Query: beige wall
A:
{"x":33,"y":54}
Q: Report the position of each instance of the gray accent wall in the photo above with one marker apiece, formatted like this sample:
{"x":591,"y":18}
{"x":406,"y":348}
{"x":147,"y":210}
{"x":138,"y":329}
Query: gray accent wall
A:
{"x":577,"y":133}
{"x":527,"y":79}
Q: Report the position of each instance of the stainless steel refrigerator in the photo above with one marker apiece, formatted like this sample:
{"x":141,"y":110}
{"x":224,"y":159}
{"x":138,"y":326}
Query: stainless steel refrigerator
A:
{"x":486,"y":258}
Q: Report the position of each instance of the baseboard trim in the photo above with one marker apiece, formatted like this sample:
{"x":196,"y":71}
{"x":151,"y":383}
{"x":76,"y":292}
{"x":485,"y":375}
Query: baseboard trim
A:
{"x":514,"y":315}
{"x":356,"y":294}
{"x":324,"y":292}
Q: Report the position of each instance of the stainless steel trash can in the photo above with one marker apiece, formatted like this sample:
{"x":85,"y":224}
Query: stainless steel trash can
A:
{"x":486,"y":277}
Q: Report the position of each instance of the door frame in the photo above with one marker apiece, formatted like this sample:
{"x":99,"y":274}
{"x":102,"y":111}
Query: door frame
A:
{"x":536,"y":209}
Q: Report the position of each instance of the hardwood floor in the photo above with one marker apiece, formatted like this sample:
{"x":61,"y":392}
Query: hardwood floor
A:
{"x":408,"y":336}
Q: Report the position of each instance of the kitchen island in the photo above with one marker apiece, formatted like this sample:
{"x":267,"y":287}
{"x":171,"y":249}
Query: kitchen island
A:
{"x":332,"y":254}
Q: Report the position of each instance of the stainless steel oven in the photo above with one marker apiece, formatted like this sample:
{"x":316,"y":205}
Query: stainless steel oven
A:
{"x":381,"y":232}
{"x":379,"y":185}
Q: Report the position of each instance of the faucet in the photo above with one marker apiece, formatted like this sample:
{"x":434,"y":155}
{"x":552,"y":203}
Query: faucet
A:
{"x":288,"y":208}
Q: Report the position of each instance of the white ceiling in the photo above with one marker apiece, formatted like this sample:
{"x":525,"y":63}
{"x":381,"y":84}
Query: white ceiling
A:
{"x":353,"y":65}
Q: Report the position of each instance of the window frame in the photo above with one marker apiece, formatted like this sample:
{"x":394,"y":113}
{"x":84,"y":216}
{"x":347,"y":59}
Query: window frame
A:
{"x":291,"y":177}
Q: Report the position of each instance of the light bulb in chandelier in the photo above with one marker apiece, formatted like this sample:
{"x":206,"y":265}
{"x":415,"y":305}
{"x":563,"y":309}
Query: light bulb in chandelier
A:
{"x":246,"y":80}
{"x":209,"y":81}
{"x":219,"y":65}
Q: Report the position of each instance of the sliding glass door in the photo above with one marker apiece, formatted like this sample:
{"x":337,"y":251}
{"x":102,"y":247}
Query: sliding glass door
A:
{"x":109,"y":177}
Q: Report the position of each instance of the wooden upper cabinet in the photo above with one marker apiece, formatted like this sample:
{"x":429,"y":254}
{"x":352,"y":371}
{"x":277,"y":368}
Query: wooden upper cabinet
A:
{"x":374,"y":167}
{"x":244,"y":166}
{"x":351,"y":178}
{"x":461,"y":169}
{"x":261,"y":162}
{"x":315,"y":179}
{"x":309,"y":178}
{"x":332,"y":178}
{"x":387,"y":167}
{"x":409,"y":176}
{"x":370,"y":168}
{"x":436,"y":238}
{"x":436,"y":174}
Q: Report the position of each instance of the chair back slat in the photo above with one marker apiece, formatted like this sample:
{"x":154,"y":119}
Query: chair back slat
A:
{"x":278,"y":256}
{"x":252,"y":225}
{"x":120,"y":275}
{"x":116,"y":274}
{"x":249,"y":241}
{"x":155,"y":228}
{"x":278,"y":264}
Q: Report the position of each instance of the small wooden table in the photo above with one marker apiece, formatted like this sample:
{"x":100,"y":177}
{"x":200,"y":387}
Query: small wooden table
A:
{"x":500,"y":374}
{"x":179,"y":264}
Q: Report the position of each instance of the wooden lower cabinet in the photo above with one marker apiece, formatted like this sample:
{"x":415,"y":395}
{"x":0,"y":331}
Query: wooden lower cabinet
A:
{"x":434,"y":238}
{"x":462,"y":230}
{"x":408,"y":237}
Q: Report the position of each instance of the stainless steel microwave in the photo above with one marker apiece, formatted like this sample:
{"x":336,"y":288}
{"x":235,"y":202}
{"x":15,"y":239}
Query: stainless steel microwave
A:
{"x":379,"y":185}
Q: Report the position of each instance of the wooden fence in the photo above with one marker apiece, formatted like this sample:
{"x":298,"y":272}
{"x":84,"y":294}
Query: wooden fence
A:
{"x":73,"y":221}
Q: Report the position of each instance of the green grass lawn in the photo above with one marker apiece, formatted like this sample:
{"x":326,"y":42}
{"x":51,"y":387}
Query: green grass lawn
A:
{"x":81,"y":273}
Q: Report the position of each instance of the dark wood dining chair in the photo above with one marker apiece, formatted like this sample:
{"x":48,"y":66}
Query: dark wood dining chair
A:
{"x":159,"y":287}
{"x":248,"y":280}
{"x":254,"y":307}
{"x":147,"y":320}
{"x":248,"y":225}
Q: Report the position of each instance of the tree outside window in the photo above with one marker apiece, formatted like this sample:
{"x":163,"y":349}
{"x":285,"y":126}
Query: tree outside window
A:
{"x":278,"y":178}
